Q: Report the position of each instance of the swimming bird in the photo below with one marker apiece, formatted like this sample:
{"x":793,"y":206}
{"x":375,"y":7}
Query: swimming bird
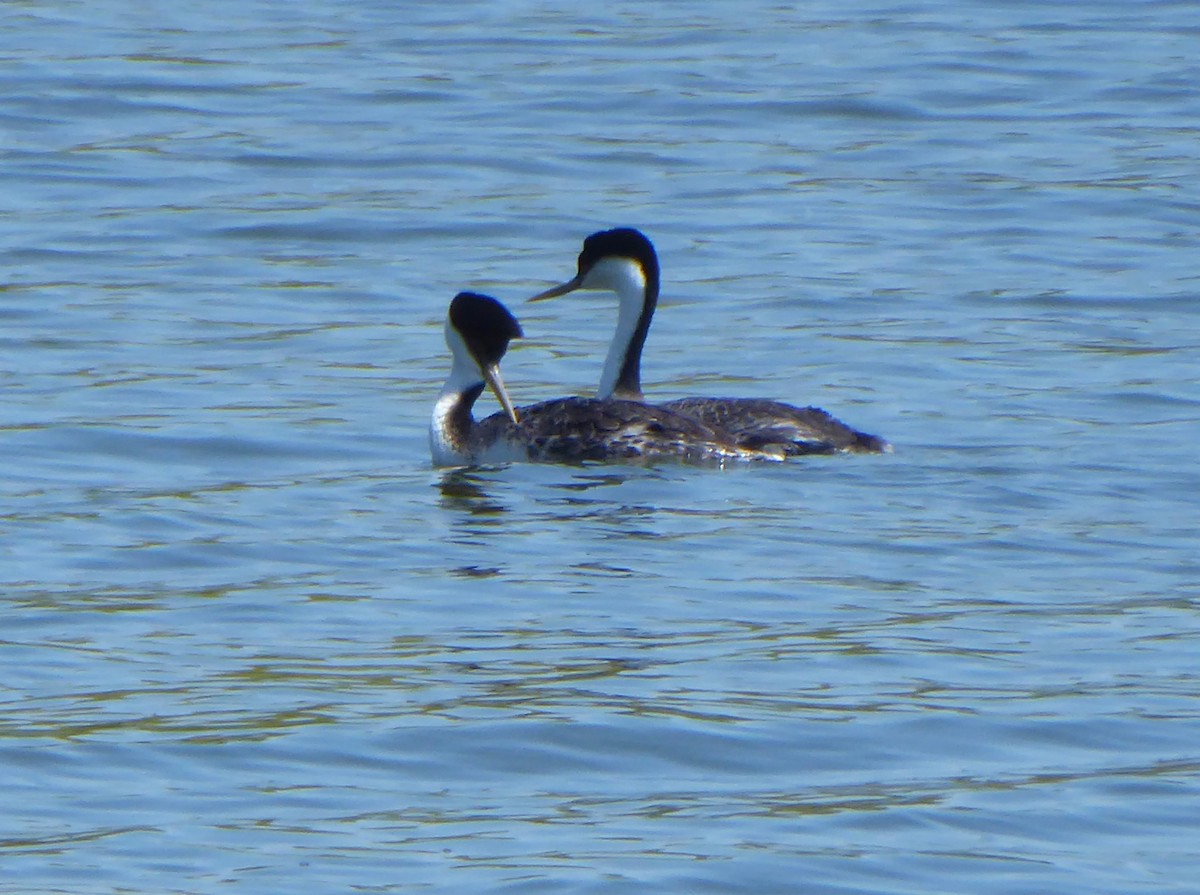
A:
{"x":623,"y":261}
{"x":565,"y":430}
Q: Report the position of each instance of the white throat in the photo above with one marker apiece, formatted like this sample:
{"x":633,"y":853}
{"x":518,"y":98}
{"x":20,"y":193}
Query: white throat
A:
{"x":623,"y":276}
{"x":446,"y":445}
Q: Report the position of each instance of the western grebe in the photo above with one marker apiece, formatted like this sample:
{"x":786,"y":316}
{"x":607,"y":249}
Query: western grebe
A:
{"x":565,"y":430}
{"x":624,"y":261}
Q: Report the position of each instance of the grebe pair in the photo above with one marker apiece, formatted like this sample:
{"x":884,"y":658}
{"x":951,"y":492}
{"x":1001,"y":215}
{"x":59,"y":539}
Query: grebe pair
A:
{"x":564,"y":430}
{"x":616,"y":424}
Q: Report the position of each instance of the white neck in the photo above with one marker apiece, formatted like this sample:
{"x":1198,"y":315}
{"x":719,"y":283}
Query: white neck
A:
{"x":623,"y":276}
{"x":446,"y":445}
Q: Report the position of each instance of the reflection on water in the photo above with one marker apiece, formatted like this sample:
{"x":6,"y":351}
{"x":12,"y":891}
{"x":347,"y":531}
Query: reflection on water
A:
{"x":593,"y":480}
{"x":463,"y":490}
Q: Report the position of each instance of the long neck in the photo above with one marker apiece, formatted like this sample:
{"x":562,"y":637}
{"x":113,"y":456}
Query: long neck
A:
{"x":638,"y":292}
{"x":452,"y":423}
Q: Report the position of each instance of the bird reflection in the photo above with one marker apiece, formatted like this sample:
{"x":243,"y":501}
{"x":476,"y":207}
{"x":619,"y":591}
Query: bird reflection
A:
{"x":588,"y":481}
{"x":463,"y":490}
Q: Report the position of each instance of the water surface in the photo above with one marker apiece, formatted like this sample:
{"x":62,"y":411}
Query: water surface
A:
{"x":252,"y":638}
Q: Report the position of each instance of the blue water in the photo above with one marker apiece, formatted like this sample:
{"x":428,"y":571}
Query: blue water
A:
{"x":250,"y":640}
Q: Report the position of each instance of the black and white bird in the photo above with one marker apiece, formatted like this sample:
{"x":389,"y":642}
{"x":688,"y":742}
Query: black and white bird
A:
{"x":624,"y":261}
{"x":565,"y":430}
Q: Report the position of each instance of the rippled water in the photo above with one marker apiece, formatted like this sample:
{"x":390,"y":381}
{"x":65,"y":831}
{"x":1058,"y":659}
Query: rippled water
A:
{"x":251,"y":638}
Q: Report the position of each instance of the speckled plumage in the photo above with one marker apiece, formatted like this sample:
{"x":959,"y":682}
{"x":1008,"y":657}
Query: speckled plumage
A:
{"x":569,"y":430}
{"x":762,"y":423}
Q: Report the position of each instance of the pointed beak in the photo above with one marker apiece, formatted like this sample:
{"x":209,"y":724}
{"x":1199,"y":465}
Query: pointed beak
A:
{"x":491,"y":375}
{"x":561,"y":289}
